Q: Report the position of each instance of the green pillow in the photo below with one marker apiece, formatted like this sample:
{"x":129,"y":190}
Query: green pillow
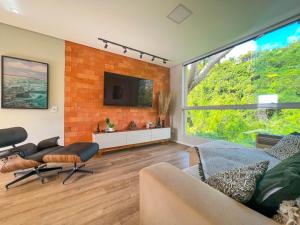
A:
{"x":280,"y":183}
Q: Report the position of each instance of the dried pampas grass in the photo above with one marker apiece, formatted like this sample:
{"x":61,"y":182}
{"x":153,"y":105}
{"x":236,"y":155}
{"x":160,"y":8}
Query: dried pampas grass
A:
{"x":164,"y":100}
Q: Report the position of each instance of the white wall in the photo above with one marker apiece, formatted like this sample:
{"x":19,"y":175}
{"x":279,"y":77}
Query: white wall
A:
{"x":40,"y":124}
{"x":178,"y":134}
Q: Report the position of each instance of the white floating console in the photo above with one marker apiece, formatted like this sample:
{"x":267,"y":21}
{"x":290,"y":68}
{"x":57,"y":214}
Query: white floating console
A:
{"x":125,"y":139}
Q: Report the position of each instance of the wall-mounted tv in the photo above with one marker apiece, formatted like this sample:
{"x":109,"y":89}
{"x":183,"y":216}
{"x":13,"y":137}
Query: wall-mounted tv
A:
{"x":120,"y":90}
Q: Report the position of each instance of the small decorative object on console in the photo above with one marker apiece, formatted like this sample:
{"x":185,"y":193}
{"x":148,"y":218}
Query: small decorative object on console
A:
{"x":132,"y":125}
{"x":158,"y":124}
{"x":109,"y":126}
{"x":149,"y":125}
{"x":98,"y":129}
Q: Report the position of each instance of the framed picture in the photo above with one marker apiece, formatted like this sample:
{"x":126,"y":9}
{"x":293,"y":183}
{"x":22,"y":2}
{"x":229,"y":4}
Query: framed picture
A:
{"x":24,"y":84}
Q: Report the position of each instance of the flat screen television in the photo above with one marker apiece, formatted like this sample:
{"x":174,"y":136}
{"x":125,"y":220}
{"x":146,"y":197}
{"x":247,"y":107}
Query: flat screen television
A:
{"x":120,"y":90}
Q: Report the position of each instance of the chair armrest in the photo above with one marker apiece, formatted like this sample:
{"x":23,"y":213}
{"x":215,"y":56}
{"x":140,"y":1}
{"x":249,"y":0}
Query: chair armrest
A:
{"x":170,"y":196}
{"x":4,"y":154}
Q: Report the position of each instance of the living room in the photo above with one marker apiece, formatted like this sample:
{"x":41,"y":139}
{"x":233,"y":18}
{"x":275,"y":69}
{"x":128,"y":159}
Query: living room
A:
{"x":136,"y":112}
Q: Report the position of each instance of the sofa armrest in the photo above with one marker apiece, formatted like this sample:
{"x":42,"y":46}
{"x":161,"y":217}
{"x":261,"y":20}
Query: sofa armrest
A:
{"x":168,"y":196}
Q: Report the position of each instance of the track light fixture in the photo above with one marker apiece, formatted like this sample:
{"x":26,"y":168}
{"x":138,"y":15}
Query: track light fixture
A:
{"x":126,"y":48}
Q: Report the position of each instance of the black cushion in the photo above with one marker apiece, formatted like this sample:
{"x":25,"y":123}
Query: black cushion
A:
{"x":48,"y":143}
{"x":12,"y":136}
{"x":38,"y":156}
{"x":84,"y":150}
{"x":280,"y":183}
{"x":25,"y":150}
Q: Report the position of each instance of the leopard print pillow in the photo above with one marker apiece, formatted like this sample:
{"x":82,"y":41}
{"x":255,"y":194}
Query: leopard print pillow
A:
{"x":286,"y":147}
{"x":240,"y":183}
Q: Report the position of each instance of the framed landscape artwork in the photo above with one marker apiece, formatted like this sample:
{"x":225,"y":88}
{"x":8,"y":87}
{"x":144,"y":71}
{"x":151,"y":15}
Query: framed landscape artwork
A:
{"x":24,"y":84}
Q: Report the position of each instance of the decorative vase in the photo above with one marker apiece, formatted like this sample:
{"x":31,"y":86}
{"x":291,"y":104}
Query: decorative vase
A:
{"x":162,"y":123}
{"x":98,"y":129}
{"x":158,"y":125}
{"x":109,"y":129}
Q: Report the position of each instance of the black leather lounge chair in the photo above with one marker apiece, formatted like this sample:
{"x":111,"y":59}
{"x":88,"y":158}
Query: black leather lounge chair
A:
{"x":27,"y":156}
{"x":35,"y":157}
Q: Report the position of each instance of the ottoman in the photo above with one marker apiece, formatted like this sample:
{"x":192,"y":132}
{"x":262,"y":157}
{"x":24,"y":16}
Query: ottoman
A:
{"x":75,"y":153}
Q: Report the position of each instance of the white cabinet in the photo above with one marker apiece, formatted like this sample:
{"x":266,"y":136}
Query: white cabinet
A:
{"x":123,"y":138}
{"x":138,"y":136}
{"x":109,"y":140}
{"x":160,"y":134}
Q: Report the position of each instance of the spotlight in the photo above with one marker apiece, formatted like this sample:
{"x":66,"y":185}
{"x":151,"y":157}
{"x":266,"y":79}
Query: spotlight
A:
{"x":141,"y":55}
{"x":125,"y":50}
{"x":165,"y":61}
{"x":153,"y":58}
{"x":106,"y":45}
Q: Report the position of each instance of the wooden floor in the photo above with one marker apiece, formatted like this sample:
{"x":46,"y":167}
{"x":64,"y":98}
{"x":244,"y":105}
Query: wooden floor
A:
{"x":109,"y":196}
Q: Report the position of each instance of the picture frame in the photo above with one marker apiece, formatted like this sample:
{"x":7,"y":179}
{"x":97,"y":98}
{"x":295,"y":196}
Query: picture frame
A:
{"x":24,"y":83}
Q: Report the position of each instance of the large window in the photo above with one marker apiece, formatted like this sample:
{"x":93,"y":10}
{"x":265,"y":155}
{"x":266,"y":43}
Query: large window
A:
{"x":250,"y":88}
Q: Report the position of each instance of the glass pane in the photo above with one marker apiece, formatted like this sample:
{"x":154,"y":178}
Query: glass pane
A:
{"x":241,"y":126}
{"x":264,"y":70}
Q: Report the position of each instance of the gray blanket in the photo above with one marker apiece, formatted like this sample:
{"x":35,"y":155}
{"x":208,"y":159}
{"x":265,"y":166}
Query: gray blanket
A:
{"x":219,"y":156}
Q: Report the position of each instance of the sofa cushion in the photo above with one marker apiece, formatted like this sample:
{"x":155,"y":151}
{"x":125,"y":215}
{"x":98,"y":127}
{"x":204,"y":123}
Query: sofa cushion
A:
{"x":286,"y":147}
{"x":239,"y":183}
{"x":280,"y":183}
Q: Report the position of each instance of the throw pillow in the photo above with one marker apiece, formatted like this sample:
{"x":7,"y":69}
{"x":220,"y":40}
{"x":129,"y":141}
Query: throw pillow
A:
{"x":239,"y":183}
{"x":280,"y":183}
{"x":288,"y":213}
{"x":47,"y":143}
{"x":286,"y":147}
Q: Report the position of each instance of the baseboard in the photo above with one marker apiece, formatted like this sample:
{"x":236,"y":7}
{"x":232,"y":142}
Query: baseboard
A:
{"x":182,"y":143}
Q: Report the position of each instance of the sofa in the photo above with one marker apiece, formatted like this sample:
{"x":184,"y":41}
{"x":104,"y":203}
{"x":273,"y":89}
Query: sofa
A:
{"x":170,"y":196}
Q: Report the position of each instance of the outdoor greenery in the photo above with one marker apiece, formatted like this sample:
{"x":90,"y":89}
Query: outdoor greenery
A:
{"x":239,"y":81}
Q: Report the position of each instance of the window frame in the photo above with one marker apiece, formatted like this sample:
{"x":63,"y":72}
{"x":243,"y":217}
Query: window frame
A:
{"x":185,"y":107}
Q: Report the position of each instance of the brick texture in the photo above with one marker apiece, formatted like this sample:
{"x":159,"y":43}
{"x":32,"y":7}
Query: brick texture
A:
{"x":84,"y":89}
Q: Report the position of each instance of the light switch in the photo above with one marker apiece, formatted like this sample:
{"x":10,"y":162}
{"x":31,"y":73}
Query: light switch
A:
{"x":54,"y":109}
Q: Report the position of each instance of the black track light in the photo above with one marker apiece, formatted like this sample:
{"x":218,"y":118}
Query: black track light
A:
{"x":126,"y":48}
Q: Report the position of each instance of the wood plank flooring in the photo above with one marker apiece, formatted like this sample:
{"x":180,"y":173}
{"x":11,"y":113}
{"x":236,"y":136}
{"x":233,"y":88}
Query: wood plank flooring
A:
{"x":110,"y":196}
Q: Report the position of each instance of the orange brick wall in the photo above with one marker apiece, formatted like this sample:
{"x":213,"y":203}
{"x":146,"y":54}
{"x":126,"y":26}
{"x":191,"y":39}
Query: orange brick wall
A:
{"x":84,"y":87}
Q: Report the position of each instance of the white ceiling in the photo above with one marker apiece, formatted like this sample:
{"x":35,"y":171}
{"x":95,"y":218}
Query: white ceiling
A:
{"x":143,"y":24}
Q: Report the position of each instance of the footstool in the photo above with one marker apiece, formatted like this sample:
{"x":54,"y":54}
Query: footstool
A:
{"x":74,"y":153}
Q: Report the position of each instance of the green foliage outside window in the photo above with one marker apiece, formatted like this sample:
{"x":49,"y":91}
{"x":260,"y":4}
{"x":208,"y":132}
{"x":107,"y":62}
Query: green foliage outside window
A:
{"x":240,"y":80}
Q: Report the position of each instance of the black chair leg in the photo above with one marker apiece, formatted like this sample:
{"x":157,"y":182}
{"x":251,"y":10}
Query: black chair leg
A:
{"x":50,"y":169}
{"x":36,"y":171}
{"x":39,"y":175}
{"x":30,"y":173}
{"x":75,"y":169}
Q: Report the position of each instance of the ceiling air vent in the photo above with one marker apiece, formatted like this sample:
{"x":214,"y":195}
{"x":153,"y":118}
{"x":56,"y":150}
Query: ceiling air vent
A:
{"x":180,"y":14}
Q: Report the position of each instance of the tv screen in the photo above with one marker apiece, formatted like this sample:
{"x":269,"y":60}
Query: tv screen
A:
{"x":120,"y":90}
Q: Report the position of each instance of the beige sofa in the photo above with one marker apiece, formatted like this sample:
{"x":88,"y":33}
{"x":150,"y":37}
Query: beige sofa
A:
{"x":169,"y":196}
